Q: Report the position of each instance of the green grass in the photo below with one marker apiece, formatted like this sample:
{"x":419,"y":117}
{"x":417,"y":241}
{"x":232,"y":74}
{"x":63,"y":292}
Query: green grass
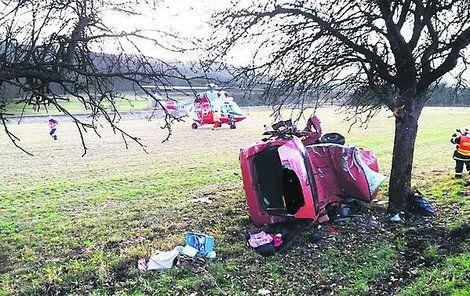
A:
{"x":74,"y":106}
{"x":449,"y":275}
{"x":451,"y":278}
{"x":73,"y":225}
{"x":360,"y":269}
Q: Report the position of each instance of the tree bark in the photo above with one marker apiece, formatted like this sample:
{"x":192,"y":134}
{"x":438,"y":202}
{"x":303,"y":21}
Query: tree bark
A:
{"x":406,"y":129}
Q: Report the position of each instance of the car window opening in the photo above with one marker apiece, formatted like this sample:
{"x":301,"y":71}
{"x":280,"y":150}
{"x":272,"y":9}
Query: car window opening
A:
{"x":278,"y":187}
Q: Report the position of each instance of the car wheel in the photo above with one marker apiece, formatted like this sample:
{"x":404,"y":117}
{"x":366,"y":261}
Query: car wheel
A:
{"x":333,"y":138}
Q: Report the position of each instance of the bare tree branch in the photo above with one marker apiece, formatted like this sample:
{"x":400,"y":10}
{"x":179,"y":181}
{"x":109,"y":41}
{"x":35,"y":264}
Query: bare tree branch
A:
{"x":54,"y":53}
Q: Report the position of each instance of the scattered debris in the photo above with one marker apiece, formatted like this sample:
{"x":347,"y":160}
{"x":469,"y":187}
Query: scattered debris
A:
{"x":316,"y":237}
{"x":419,"y":205}
{"x":262,"y":243}
{"x":211,"y":255}
{"x":323,"y":219}
{"x":350,"y":201}
{"x":204,"y":244}
{"x":396,"y":218}
{"x":264,"y":292}
{"x":277,"y":240}
{"x":268,"y":244}
{"x":189,"y":251}
{"x":195,"y":264}
{"x":345,"y":211}
{"x":162,"y":260}
{"x":196,"y":244}
{"x":206,"y":199}
{"x":142,"y":265}
{"x":372,"y":223}
{"x":342,"y":220}
{"x":332,"y":229}
{"x":180,"y":249}
{"x":258,"y":239}
{"x":266,"y":250}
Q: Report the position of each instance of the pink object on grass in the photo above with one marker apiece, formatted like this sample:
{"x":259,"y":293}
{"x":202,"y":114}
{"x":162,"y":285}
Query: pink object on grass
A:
{"x":277,"y":239}
{"x":259,"y":239}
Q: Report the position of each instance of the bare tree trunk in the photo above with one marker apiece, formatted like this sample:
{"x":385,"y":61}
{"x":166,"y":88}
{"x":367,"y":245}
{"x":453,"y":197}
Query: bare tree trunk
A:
{"x":406,"y":129}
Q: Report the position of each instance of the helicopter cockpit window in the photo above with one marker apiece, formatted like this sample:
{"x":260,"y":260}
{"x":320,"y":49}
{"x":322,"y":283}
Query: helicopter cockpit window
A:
{"x":234,"y":108}
{"x":226,"y":108}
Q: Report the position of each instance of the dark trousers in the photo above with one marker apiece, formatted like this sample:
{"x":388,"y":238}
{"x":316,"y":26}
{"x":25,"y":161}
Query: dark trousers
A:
{"x":459,"y":167}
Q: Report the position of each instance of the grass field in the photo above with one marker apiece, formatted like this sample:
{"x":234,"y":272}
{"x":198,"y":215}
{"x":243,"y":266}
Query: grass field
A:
{"x":77,"y":225}
{"x":73,"y":106}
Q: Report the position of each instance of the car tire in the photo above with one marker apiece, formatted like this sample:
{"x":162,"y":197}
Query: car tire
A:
{"x":333,"y":138}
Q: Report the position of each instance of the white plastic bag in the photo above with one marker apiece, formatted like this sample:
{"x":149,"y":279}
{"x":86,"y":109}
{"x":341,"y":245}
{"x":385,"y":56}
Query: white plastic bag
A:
{"x":162,"y":260}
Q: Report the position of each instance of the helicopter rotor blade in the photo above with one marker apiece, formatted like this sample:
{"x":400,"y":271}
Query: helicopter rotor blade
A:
{"x":196,"y":88}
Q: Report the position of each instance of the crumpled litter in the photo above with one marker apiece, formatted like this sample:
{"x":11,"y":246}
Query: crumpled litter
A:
{"x":332,"y":229}
{"x":418,"y":204}
{"x":189,"y":251}
{"x":372,"y":223}
{"x":259,"y":239}
{"x":396,"y":218}
{"x":201,"y":242}
{"x":142,"y":265}
{"x":264,"y":292}
{"x":265,"y":244}
{"x":195,"y":264}
{"x":162,"y":260}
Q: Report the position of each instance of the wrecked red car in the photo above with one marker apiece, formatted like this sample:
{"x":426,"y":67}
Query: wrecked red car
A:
{"x":298,"y":174}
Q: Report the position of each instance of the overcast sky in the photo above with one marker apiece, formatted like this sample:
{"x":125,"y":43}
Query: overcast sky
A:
{"x":185,"y":18}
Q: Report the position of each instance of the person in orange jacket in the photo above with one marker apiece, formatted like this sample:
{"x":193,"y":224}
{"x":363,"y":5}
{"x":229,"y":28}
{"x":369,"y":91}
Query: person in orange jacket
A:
{"x":462,"y":152}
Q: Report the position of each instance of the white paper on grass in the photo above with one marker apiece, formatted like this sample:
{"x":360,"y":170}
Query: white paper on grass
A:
{"x":162,"y":260}
{"x":189,"y":251}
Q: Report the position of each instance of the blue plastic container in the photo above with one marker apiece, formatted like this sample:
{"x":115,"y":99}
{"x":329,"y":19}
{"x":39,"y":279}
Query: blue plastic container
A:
{"x":201,"y":242}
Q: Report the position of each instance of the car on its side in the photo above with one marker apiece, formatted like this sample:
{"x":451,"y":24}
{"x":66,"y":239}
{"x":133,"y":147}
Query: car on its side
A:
{"x":298,"y":174}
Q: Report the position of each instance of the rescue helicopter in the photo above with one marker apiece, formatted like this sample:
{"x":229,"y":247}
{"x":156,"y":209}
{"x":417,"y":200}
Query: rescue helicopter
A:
{"x":215,"y":107}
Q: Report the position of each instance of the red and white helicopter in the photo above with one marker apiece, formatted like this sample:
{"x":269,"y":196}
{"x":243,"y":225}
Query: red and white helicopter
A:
{"x":213,"y":106}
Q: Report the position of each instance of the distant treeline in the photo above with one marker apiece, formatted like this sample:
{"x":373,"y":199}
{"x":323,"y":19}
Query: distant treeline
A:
{"x":442,"y":96}
{"x":449,"y":97}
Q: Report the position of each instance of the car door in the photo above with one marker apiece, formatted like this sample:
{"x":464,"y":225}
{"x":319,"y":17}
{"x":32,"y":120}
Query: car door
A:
{"x":292,"y":155}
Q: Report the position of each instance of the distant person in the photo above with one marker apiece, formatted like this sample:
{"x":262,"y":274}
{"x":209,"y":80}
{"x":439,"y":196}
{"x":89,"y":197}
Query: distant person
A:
{"x":462,"y":152}
{"x":53,"y":126}
{"x":216,"y":109}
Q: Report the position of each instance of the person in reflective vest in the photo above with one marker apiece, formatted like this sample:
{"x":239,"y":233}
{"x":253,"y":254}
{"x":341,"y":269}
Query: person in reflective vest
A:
{"x":462,"y":152}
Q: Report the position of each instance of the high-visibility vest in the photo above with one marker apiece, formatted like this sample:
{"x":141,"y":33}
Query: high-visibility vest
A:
{"x":464,"y":145}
